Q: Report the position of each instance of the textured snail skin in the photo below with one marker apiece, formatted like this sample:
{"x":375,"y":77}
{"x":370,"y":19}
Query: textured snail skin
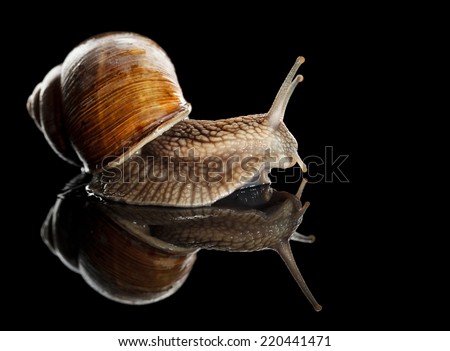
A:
{"x":178,"y":169}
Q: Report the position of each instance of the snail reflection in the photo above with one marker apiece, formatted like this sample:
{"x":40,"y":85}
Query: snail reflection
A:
{"x":142,"y":254}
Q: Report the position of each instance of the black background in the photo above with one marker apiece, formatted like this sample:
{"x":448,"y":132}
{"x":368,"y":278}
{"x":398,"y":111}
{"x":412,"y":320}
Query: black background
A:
{"x":365,"y":267}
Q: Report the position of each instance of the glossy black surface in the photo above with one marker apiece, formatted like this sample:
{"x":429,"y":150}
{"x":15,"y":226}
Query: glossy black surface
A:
{"x":369,"y":268}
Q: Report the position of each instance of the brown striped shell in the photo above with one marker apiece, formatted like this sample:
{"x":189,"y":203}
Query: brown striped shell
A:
{"x":113,"y":94}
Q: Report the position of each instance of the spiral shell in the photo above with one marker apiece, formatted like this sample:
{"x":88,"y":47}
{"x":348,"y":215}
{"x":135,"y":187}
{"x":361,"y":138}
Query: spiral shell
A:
{"x":113,"y":94}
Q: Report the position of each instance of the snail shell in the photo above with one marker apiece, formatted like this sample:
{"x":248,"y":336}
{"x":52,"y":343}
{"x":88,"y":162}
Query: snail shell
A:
{"x":114,"y":92}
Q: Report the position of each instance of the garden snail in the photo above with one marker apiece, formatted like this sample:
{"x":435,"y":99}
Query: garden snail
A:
{"x":143,"y":254}
{"x":115,"y":107}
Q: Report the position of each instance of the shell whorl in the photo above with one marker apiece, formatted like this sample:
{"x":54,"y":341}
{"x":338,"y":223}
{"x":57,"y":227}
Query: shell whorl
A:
{"x":118,"y":91}
{"x":45,"y":106}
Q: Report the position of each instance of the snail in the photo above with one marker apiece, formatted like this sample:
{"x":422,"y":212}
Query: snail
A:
{"x":115,"y":107}
{"x":143,"y":254}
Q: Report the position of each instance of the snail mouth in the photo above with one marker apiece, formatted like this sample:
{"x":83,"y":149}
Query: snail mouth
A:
{"x":262,"y":176}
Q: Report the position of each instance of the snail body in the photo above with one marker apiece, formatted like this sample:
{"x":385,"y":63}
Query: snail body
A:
{"x":115,"y":107}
